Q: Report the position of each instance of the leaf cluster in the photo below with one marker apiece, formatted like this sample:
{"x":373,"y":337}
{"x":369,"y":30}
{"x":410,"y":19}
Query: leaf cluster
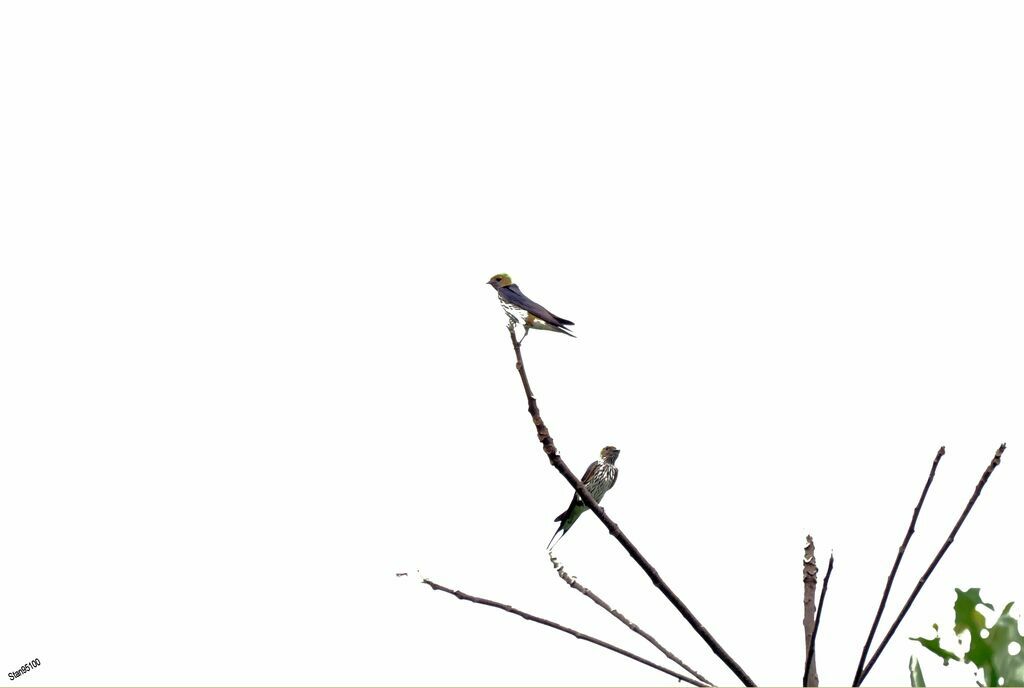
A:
{"x":997,"y":651}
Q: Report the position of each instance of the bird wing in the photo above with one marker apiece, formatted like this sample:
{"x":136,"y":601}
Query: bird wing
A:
{"x":513,"y":295}
{"x":590,"y":472}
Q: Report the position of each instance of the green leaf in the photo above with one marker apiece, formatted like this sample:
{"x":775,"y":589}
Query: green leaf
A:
{"x":916,"y":677}
{"x":965,"y":610}
{"x":1004,"y":665}
{"x":989,"y":647}
{"x":933,"y":646}
{"x":991,"y":652}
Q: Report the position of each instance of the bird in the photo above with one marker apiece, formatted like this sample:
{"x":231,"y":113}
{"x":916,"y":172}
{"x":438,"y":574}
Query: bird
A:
{"x":521,"y":309}
{"x":599,"y":478}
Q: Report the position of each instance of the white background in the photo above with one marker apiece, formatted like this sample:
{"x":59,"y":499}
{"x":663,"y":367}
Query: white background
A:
{"x":249,"y":368}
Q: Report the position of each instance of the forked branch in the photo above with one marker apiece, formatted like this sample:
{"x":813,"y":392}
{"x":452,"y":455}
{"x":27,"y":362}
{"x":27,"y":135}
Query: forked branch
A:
{"x":931,"y":567}
{"x":559,"y":627}
{"x":817,"y":619}
{"x":572,"y":583}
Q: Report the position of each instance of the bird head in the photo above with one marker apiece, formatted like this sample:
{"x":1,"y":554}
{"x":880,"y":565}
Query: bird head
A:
{"x":500,"y":280}
{"x":609,"y":454}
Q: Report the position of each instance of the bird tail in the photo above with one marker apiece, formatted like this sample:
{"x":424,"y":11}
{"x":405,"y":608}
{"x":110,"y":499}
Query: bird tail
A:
{"x":551,"y":542}
{"x":561,"y":324}
{"x":566,"y":519}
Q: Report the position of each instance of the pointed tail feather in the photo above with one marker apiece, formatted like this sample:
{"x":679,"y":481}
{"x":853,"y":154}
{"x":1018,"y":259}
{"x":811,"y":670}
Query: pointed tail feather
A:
{"x":567,"y":518}
{"x":551,"y":542}
{"x":561,"y":518}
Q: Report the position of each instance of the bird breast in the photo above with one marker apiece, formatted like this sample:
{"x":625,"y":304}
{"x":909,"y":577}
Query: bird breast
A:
{"x":514,"y":311}
{"x":603,"y":478}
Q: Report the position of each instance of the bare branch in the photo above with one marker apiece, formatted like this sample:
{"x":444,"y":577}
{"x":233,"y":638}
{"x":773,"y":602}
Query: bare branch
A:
{"x":810,"y":587}
{"x":549,"y":448}
{"x":571,"y":581}
{"x":931,"y":567}
{"x":565,"y":629}
{"x":817,"y":619}
{"x":895,"y":566}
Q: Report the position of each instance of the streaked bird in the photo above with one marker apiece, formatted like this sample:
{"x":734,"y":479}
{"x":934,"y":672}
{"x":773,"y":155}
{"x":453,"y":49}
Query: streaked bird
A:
{"x":599,"y":478}
{"x":525,"y":311}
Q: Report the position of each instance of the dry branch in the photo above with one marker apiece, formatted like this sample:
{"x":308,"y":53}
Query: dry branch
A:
{"x":931,"y":567}
{"x":572,"y":583}
{"x":810,"y":587}
{"x":565,"y":629}
{"x":895,"y":566}
{"x":817,"y":620}
{"x":549,"y":448}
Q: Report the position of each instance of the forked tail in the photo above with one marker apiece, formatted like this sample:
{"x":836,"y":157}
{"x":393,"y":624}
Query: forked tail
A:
{"x":551,"y":543}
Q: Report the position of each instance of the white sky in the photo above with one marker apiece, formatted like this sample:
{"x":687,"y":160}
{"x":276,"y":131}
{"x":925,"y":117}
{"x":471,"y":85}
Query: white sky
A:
{"x":249,"y":369}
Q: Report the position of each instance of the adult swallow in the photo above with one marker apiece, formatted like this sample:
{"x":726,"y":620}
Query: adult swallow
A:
{"x":523,"y":310}
{"x":599,"y":478}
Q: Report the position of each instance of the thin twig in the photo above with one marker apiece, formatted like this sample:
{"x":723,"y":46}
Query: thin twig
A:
{"x":565,"y":629}
{"x":895,"y":566}
{"x":810,"y":587}
{"x":571,"y":581}
{"x":817,"y":619}
{"x":549,"y":448}
{"x":931,"y":567}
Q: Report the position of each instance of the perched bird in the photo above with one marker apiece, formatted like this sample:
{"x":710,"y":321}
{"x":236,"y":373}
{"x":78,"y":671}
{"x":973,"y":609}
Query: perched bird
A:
{"x":599,"y":478}
{"x":521,"y":309}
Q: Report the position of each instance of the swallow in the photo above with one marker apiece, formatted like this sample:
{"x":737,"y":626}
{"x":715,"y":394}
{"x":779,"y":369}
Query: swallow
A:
{"x":525,"y":311}
{"x":599,"y":477}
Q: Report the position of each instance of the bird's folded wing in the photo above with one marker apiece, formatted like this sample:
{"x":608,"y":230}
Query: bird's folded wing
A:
{"x":515,"y":296}
{"x":591,"y":471}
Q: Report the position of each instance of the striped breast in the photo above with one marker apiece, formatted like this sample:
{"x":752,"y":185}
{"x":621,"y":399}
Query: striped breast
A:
{"x":518,"y":314}
{"x":602,"y":480}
